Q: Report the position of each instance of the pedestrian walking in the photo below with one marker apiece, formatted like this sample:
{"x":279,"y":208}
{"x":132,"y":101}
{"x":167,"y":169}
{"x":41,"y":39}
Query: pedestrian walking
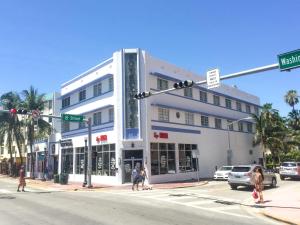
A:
{"x":143,"y":177}
{"x":22,"y":182}
{"x":135,"y":174}
{"x":258,"y":182}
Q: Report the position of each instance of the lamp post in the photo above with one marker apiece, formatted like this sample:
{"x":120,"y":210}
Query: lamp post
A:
{"x":229,"y":151}
{"x":85,"y":162}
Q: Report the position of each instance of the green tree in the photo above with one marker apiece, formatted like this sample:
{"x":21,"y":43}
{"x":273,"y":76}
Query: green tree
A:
{"x":34,"y":101}
{"x":270,"y":131}
{"x":291,"y":98}
{"x":10,"y":126}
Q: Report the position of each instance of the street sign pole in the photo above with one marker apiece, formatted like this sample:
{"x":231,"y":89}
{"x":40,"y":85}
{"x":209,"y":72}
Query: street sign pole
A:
{"x":89,"y":180}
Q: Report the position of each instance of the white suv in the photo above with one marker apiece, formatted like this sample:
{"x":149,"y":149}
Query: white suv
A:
{"x":289,"y":169}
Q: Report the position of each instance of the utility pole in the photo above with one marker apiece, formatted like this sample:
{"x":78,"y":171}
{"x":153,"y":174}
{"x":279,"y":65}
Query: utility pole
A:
{"x":89,"y":180}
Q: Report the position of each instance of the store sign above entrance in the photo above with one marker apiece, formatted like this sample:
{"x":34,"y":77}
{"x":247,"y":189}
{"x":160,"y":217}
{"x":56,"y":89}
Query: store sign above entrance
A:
{"x":161,"y":135}
{"x":101,"y":138}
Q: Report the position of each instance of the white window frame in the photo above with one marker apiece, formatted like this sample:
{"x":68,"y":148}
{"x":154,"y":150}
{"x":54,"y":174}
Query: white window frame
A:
{"x":163,"y":114}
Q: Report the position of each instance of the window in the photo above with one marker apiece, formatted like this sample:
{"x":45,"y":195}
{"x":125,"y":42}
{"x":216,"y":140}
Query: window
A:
{"x":216,"y":100}
{"x":111,"y":115}
{"x":65,"y":102}
{"x":82,"y":95}
{"x":67,"y":160}
{"x":162,"y":84}
{"x":97,"y":118}
{"x":230,"y":124}
{"x":238,"y":106}
{"x":50,"y":119}
{"x":162,"y":158}
{"x":65,"y":126}
{"x":203,"y":96}
{"x":163,"y":114}
{"x":104,"y":160}
{"x":189,"y":118}
{"x":256,"y":111}
{"x":2,"y":150}
{"x":50,"y":102}
{"x":188,"y":92}
{"x":204,"y":121}
{"x":218,"y":123}
{"x":97,"y":89}
{"x":81,"y":125}
{"x":241,"y":128}
{"x":79,"y":158}
{"x":228,"y":103}
{"x":110,"y":84}
{"x":186,"y":162}
{"x":248,"y":109}
{"x":249,"y":127}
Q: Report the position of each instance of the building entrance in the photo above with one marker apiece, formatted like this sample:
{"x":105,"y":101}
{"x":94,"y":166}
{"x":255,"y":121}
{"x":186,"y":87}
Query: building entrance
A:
{"x":132,"y":158}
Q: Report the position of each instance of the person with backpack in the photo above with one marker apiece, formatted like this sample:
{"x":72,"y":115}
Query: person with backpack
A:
{"x":135,"y":174}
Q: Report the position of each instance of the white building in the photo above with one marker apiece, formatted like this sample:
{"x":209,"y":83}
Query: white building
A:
{"x":45,"y":151}
{"x":166,"y":133}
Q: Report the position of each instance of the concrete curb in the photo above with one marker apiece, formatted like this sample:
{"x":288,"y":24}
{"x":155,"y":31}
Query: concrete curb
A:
{"x":277,"y":218}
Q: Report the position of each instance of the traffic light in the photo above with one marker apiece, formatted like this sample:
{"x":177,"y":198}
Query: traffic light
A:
{"x":183,"y":84}
{"x":13,"y":111}
{"x":22,"y":111}
{"x":142,"y":95}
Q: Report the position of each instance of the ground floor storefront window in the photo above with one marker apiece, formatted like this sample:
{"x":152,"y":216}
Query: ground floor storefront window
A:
{"x":104,"y":160}
{"x":79,"y":154}
{"x":67,"y":160}
{"x":162,"y":158}
{"x":187,"y":163}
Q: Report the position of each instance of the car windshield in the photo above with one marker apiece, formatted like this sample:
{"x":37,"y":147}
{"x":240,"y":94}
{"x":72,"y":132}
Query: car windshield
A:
{"x":288,"y":164}
{"x":226,"y":168}
{"x":241,"y":169}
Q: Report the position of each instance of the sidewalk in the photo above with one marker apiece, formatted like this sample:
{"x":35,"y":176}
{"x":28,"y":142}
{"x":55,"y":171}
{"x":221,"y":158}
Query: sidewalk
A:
{"x":282,"y":205}
{"x":77,"y":186}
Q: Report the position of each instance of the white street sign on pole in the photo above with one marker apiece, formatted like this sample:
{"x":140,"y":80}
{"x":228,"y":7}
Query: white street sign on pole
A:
{"x":213,"y":78}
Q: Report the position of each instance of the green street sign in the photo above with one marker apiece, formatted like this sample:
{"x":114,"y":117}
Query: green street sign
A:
{"x":289,"y":60}
{"x":72,"y":118}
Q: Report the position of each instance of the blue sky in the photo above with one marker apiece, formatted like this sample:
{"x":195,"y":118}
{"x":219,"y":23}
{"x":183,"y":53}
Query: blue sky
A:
{"x":46,"y":43}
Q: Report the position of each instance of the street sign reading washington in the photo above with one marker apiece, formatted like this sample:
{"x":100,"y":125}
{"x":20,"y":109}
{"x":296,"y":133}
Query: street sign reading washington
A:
{"x":289,"y":60}
{"x":72,"y":118}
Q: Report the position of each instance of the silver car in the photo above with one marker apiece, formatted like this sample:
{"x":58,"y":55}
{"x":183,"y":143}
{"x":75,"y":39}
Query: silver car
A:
{"x":222,"y":173}
{"x":242,"y":175}
{"x":289,"y":169}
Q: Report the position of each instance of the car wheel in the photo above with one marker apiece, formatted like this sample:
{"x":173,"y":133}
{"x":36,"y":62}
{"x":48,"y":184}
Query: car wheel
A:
{"x":282,"y":177}
{"x":233,"y":187}
{"x":274,"y":182}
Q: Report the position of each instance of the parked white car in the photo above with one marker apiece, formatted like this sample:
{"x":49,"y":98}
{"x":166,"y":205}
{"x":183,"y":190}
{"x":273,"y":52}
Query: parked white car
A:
{"x":222,"y":173}
{"x":289,"y":169}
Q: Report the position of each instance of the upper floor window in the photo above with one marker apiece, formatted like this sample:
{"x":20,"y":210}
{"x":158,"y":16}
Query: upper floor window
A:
{"x":249,"y":127}
{"x":189,"y":118}
{"x":241,"y":126}
{"x":162,"y":84}
{"x":218,"y":123}
{"x":229,"y":124}
{"x":256,"y":111}
{"x":188,"y":92}
{"x":163,"y":114}
{"x":2,"y":151}
{"x":238,"y":106}
{"x":248,"y":109}
{"x":111,"y":115}
{"x":204,"y":121}
{"x":97,"y":118}
{"x":81,"y":125}
{"x":203,"y":96}
{"x":216,"y":100}
{"x":97,"y":89}
{"x":82,"y":95}
{"x":50,"y":102}
{"x":65,"y":102}
{"x":228,"y":103}
{"x":110,"y":84}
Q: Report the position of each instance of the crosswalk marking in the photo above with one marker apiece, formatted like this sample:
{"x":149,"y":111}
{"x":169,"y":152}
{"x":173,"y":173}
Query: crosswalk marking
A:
{"x":4,"y":191}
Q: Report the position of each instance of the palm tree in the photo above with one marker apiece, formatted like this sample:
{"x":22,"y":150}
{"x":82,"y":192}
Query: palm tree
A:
{"x":10,"y":126}
{"x":34,"y":101}
{"x":270,"y":130}
{"x":291,"y":98}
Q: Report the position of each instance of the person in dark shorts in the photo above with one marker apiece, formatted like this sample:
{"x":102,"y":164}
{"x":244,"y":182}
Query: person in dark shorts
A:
{"x":22,"y":182}
{"x":135,"y":178}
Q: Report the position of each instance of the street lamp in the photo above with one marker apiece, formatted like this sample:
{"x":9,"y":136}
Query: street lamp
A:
{"x":229,"y":151}
{"x":85,"y":162}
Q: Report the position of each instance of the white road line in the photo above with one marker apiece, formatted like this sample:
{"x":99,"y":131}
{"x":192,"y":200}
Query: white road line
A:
{"x":5,"y":191}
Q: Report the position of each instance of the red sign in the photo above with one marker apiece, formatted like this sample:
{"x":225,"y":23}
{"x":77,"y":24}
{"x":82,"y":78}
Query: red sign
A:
{"x":101,"y":138}
{"x":161,"y":135}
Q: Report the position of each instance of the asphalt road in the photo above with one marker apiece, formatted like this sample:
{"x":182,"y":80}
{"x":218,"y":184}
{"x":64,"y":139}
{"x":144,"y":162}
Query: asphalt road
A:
{"x":213,"y":203}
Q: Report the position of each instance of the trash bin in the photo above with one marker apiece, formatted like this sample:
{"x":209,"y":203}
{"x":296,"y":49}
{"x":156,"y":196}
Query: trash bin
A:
{"x":56,"y":178}
{"x":63,"y":178}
